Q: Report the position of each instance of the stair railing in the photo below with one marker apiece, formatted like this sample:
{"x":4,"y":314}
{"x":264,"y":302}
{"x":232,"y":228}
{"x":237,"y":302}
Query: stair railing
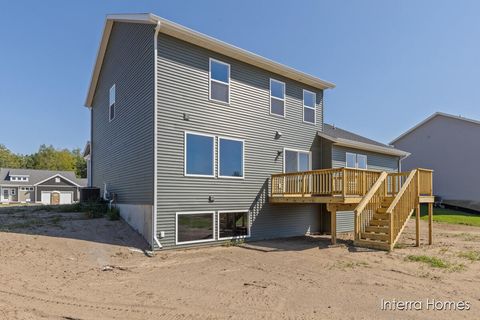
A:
{"x":370,"y":203}
{"x":402,"y":207}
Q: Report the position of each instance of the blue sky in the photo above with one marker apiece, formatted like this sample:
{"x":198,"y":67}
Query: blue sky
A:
{"x":394,"y":62}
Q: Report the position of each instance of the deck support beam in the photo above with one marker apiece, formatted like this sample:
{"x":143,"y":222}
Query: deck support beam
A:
{"x":333,"y":222}
{"x":417,"y":226}
{"x":430,"y":223}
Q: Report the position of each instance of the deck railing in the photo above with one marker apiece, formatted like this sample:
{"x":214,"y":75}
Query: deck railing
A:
{"x":324,"y":182}
{"x":425,"y":182}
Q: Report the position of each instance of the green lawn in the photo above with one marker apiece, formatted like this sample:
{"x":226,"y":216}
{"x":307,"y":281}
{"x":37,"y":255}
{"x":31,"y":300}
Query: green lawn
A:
{"x":451,"y":216}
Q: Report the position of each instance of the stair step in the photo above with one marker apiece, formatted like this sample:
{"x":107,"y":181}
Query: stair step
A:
{"x":371,"y":244}
{"x":382,"y":210}
{"x":387,"y":201}
{"x":377,"y":229}
{"x":381,"y":216}
{"x":375,"y":236}
{"x":376,"y":222}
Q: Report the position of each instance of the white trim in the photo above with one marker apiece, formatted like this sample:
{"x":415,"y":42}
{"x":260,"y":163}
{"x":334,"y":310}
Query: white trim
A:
{"x":185,"y":155}
{"x":202,"y":40}
{"x":210,"y":79}
{"x":284,"y":100}
{"x":298,"y":157}
{"x":234,"y":237}
{"x":421,"y":123}
{"x":54,"y":176}
{"x":219,"y":160}
{"x":194,"y":241}
{"x":314,"y":107}
{"x":364,"y":146}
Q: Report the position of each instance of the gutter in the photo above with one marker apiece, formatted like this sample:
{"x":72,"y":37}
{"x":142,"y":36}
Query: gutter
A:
{"x":155,"y":138}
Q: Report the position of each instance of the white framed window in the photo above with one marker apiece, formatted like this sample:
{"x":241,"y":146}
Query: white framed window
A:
{"x":277,"y":98}
{"x":111,"y":103}
{"x":309,"y":106}
{"x":356,"y":161}
{"x":13,"y":191}
{"x":57,"y":180}
{"x":199,"y":154}
{"x":233,"y":224}
{"x":296,"y":160}
{"x":194,"y":227}
{"x":219,"y":75}
{"x":231,"y":158}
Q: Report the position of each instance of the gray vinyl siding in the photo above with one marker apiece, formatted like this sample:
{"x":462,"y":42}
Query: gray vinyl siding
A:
{"x":183,"y":87}
{"x":122,"y":150}
{"x":375,"y":161}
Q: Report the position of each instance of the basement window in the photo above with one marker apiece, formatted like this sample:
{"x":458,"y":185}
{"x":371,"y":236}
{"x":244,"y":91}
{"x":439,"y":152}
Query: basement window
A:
{"x":277,"y":98}
{"x":194,"y":227}
{"x":111,"y":104}
{"x":219,"y":81}
{"x":233,"y":224}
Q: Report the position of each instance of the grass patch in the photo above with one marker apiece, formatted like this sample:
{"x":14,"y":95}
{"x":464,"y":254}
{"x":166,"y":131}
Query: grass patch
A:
{"x":432,"y":261}
{"x":471,"y":255}
{"x":343,"y":265}
{"x":451,"y":216}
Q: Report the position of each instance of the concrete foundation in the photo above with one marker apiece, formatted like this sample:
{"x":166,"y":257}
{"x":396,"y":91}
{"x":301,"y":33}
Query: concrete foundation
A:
{"x":139,"y":217}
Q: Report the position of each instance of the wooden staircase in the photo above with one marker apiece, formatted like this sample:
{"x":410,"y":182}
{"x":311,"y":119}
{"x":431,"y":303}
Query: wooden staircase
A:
{"x":383,"y":213}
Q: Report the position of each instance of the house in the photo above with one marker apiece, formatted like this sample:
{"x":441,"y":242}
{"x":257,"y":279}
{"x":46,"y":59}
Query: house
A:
{"x":39,"y":186}
{"x":202,"y":142}
{"x":449,"y":145}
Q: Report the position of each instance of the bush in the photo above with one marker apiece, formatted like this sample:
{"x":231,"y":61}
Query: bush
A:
{"x":94,"y":209}
{"x":113,"y":214}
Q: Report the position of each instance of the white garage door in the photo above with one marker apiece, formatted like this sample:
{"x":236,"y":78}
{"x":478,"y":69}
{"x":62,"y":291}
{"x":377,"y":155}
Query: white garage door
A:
{"x":65,"y":197}
{"x":46,"y":197}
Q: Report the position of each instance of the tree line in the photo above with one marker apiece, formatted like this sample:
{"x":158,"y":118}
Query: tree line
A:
{"x":46,"y":158}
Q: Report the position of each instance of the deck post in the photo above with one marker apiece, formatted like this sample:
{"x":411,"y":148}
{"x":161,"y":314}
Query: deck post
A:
{"x":430,"y":222}
{"x":417,"y":226}
{"x":333,"y":223}
{"x":344,"y":182}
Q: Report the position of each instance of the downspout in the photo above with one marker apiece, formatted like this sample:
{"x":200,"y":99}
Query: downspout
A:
{"x":155,"y":138}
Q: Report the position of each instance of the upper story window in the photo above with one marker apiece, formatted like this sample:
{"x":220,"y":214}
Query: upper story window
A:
{"x":356,"y":161}
{"x":199,"y":155}
{"x":111,"y":104}
{"x":230,"y":158}
{"x":19,"y":178}
{"x":309,"y":104}
{"x":296,"y":161}
{"x":219,"y":81}
{"x":277,"y":97}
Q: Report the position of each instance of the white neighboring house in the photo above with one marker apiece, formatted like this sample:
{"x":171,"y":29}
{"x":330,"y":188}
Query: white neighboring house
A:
{"x":450,"y":145}
{"x":39,"y":186}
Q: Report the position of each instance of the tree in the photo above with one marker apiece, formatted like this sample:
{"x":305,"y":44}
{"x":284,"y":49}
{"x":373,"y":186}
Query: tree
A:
{"x":9,"y":159}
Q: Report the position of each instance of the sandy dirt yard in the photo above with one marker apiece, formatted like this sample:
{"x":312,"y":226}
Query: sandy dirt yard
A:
{"x":63,"y":266}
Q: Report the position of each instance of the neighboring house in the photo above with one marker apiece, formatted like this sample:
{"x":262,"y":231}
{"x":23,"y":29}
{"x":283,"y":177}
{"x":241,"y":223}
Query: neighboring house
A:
{"x":39,"y":186}
{"x":450,"y":145}
{"x":188,"y":131}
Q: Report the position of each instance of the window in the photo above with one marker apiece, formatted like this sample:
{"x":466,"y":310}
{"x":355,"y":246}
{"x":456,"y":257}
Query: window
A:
{"x":233,"y":224}
{"x":309,"y":104}
{"x":296,"y":161}
{"x":357,"y":161}
{"x":57,"y":180}
{"x":277,"y":98}
{"x":230,"y":158}
{"x":194,"y":227}
{"x":111,"y":105}
{"x":199,"y":155}
{"x":12,"y":192}
{"x":219,"y":81}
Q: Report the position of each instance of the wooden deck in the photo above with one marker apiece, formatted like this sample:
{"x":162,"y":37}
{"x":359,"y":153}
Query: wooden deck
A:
{"x":382,"y":202}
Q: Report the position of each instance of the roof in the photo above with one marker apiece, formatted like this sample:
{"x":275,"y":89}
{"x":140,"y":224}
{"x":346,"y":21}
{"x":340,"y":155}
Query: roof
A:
{"x":346,"y":138}
{"x":36,"y":176}
{"x":436,"y":114}
{"x":202,"y":40}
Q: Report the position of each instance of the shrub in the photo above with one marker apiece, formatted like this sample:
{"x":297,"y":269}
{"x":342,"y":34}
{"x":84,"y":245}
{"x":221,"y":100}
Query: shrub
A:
{"x":113,"y":214}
